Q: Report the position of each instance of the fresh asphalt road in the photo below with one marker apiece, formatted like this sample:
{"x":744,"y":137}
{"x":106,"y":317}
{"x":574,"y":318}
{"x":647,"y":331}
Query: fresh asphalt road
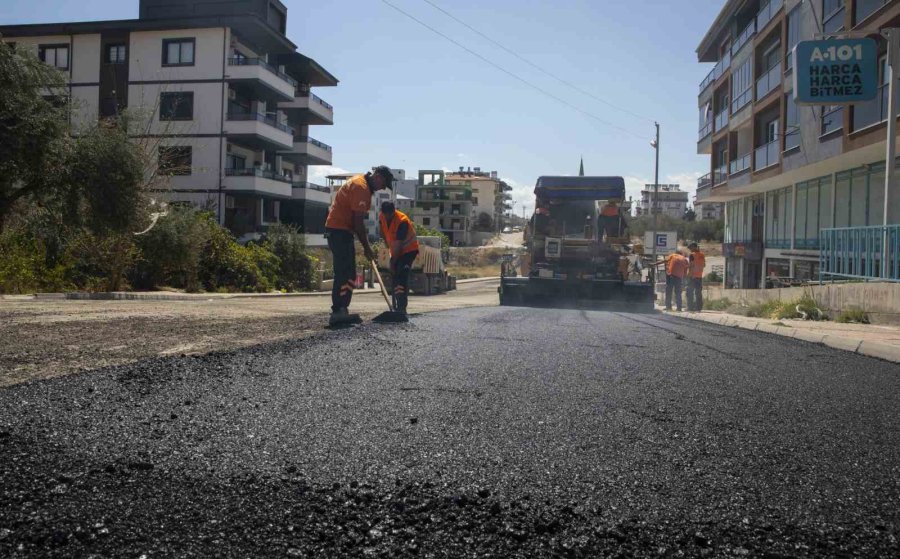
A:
{"x":469,"y":433}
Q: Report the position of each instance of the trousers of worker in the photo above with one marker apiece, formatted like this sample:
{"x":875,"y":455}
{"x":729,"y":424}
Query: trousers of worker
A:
{"x":344,"y":253}
{"x":400,"y":280}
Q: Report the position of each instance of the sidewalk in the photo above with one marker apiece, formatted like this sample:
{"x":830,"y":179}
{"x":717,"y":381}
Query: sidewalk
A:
{"x":882,"y":342}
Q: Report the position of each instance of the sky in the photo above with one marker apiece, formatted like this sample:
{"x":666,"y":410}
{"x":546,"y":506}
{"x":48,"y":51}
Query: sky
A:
{"x":411,"y":99}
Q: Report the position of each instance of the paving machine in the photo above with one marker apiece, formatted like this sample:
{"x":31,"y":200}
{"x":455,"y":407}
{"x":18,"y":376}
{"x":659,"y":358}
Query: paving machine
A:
{"x":576,"y":255}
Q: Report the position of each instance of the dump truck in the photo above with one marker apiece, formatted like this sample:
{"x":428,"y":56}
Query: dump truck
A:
{"x":429,"y":275}
{"x":573,"y":256}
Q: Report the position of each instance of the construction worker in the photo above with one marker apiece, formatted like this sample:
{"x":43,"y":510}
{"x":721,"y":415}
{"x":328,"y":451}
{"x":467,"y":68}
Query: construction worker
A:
{"x":611,"y":221}
{"x":345,"y":218}
{"x":399,"y":234}
{"x":695,"y":280}
{"x":676,"y":270}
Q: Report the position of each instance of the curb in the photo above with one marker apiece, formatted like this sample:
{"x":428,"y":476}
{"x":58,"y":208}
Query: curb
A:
{"x":878,"y":350}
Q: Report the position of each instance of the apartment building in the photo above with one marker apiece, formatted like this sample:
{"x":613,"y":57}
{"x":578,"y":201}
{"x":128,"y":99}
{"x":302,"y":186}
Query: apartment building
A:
{"x":785,"y":172}
{"x":670,"y":200}
{"x":444,"y":205}
{"x":222,"y":88}
{"x":490,"y":194}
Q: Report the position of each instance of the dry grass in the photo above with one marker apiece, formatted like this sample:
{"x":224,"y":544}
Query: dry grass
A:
{"x":470,"y":272}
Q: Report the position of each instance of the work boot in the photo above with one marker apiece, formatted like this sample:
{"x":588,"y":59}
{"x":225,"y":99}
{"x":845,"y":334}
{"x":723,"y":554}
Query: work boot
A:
{"x":343,"y":316}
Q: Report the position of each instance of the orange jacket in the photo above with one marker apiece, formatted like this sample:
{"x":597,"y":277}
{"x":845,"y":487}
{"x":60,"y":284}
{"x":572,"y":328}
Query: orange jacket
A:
{"x":609,"y":211}
{"x":677,"y":265}
{"x":698,"y":262}
{"x":353,"y":197}
{"x":407,"y":245}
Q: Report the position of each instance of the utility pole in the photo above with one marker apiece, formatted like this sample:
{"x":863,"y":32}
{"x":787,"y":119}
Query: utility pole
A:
{"x":655,"y":200}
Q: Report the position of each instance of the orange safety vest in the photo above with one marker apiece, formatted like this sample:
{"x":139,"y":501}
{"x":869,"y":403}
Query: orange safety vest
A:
{"x":407,"y":245}
{"x":698,"y":262}
{"x":353,"y":197}
{"x":609,"y":211}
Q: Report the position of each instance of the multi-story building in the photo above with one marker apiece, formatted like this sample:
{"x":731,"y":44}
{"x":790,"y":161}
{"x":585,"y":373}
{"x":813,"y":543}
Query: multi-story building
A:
{"x":222,"y":88}
{"x":445,"y":205}
{"x":786,"y":172}
{"x":490,"y":195}
{"x":670,"y":201}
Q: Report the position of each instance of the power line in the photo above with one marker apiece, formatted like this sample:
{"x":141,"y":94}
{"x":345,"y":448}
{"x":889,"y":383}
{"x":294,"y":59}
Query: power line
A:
{"x":513,"y":75}
{"x":535,"y":66}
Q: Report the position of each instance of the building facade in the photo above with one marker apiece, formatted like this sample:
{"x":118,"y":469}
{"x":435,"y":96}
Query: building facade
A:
{"x":445,"y":205}
{"x":786,"y":172}
{"x":670,"y":201}
{"x":223,"y":91}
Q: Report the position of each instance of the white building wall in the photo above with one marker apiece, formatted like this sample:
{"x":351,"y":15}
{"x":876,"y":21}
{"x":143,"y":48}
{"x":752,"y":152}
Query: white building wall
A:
{"x":209,"y":107}
{"x":146,"y":51}
{"x":85,"y":58}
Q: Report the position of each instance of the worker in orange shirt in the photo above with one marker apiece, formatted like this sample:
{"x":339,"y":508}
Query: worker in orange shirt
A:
{"x":695,"y":281}
{"x":611,"y":222}
{"x":676,"y":270}
{"x":399,"y":234}
{"x":345,"y":218}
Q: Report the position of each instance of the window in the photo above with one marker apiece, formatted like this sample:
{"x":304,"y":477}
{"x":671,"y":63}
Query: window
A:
{"x":176,"y":106}
{"x":116,"y":54}
{"x":832,"y":15}
{"x":55,"y":55}
{"x":793,"y":36}
{"x":742,"y":86}
{"x":175,"y":160}
{"x":426,"y":221}
{"x":791,"y":124}
{"x":832,"y":119}
{"x":178,"y":52}
{"x":235,"y":162}
{"x":862,"y":9}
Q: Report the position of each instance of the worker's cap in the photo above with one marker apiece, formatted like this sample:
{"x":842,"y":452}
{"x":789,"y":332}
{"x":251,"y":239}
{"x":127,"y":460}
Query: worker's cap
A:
{"x":692,"y":246}
{"x":387,"y":207}
{"x":386,"y":174}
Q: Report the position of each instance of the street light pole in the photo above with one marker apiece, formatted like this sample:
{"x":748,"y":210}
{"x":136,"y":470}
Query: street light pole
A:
{"x":655,"y":200}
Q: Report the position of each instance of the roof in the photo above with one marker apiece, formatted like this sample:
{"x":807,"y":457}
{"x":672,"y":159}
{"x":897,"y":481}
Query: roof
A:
{"x":715,"y":29}
{"x":580,"y":188}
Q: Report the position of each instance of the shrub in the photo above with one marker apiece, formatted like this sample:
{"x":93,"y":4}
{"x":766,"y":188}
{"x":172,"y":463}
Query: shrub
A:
{"x":24,"y":266}
{"x":100,"y":262}
{"x":716,"y":304}
{"x":172,"y":249}
{"x":713,"y":277}
{"x":226,"y":265}
{"x":852,"y":316}
{"x":298,"y":270}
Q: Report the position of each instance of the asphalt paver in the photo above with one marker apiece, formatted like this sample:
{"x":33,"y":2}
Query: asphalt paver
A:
{"x":496,"y":432}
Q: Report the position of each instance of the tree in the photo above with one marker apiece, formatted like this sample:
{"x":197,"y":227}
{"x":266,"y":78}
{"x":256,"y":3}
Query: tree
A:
{"x":484,"y":222}
{"x":33,"y":128}
{"x":689,"y":215}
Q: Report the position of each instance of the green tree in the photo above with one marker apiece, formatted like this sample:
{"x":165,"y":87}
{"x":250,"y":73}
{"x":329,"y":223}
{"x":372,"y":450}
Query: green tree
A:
{"x":33,"y":128}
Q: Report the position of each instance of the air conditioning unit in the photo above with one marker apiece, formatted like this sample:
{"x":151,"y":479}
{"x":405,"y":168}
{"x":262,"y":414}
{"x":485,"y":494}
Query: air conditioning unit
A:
{"x":229,"y":202}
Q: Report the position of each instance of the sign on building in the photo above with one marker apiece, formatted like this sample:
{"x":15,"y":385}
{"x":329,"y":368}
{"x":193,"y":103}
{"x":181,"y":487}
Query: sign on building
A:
{"x":835,"y":71}
{"x":665,"y":241}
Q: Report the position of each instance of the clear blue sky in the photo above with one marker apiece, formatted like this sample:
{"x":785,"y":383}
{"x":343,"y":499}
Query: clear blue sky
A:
{"x":408,"y":98}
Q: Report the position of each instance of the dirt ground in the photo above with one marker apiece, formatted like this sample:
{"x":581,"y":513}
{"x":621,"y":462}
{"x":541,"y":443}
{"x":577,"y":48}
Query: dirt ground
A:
{"x":45,"y":339}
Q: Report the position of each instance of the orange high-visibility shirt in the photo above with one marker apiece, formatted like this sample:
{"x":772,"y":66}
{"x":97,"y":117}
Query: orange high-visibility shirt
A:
{"x":609,"y":211}
{"x":698,"y":262}
{"x":354,"y":196}
{"x":677,"y":265}
{"x":407,"y":245}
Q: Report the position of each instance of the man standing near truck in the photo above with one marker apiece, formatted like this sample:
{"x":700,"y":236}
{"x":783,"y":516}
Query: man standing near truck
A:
{"x":345,"y":218}
{"x":399,"y":234}
{"x":695,"y":279}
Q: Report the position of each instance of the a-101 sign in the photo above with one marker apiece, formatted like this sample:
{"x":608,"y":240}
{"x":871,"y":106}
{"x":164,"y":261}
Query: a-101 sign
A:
{"x":835,"y":71}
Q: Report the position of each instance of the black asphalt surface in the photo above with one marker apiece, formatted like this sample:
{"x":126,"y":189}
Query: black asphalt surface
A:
{"x":476,"y":433}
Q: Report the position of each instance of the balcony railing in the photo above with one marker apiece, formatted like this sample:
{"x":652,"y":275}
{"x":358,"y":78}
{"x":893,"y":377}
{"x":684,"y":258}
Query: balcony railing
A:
{"x":740,"y":164}
{"x":720,"y":174}
{"x":742,"y":100}
{"x":768,"y":12}
{"x":767,"y":155}
{"x":717,"y":72}
{"x":872,"y":112}
{"x":857,"y":252}
{"x":313,"y":97}
{"x":705,"y":181}
{"x":257,"y":172}
{"x":309,"y":186}
{"x":706,"y":130}
{"x":721,"y":120}
{"x":743,"y":38}
{"x":864,"y":8}
{"x":267,"y":119}
{"x":260,"y":62}
{"x":771,"y":80}
{"x":308,"y":140}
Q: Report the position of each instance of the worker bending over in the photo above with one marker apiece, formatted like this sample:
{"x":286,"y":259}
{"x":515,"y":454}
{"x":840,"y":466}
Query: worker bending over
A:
{"x":399,"y":234}
{"x":676,"y":270}
{"x":695,"y":281}
{"x":345,"y":218}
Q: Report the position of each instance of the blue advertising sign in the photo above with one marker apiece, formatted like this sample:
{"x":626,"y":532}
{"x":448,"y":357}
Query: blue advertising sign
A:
{"x":835,"y":71}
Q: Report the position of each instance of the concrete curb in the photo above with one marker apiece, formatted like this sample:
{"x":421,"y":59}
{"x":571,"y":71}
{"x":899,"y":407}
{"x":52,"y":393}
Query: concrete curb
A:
{"x":879,"y":350}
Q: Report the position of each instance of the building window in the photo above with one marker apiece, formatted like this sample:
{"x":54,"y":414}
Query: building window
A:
{"x":742,"y":86}
{"x":813,"y":212}
{"x":833,"y":15}
{"x":791,"y":124}
{"x":235,"y":162}
{"x":55,"y":55}
{"x":116,"y":54}
{"x":175,"y":160}
{"x":426,"y":221}
{"x":862,"y":9}
{"x":793,"y":36}
{"x":832,"y":119}
{"x":176,"y":106}
{"x":178,"y":52}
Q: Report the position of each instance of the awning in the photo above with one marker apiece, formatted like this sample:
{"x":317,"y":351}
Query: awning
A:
{"x":306,"y":70}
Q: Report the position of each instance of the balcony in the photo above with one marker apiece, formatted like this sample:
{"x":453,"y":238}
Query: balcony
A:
{"x":705,"y":181}
{"x":767,"y":13}
{"x":717,"y":72}
{"x":265,"y":80}
{"x":743,"y":38}
{"x":742,"y":100}
{"x":308,"y":108}
{"x":302,"y":190}
{"x":769,"y":82}
{"x":256,"y":181}
{"x":864,"y":8}
{"x":308,"y":151}
{"x":259,"y":131}
{"x":720,"y":175}
{"x":834,"y":21}
{"x":739,"y":165}
{"x":706,"y":130}
{"x":870,"y":113}
{"x":721,"y":121}
{"x":767,"y":156}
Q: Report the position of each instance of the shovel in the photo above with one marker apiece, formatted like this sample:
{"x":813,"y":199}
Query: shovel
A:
{"x":391,"y":315}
